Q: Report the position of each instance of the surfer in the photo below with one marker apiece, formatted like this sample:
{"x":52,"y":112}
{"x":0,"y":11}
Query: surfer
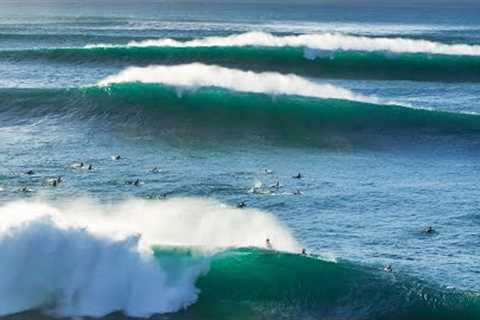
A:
{"x":78,"y":165}
{"x":276,"y":185}
{"x":297,"y":192}
{"x":268,"y":171}
{"x":268,"y":244}
{"x":135,"y":182}
{"x":428,"y":230}
{"x":29,"y":172}
{"x":388,"y":268}
{"x":304,"y":251}
{"x":241,"y":205}
{"x":116,"y":157}
{"x":55,"y":181}
{"x":25,"y":190}
{"x":298,"y":176}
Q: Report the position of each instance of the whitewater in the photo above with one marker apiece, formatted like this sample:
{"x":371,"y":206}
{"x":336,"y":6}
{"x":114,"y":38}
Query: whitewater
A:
{"x":323,"y":41}
{"x":197,"y":75}
{"x":97,"y":259}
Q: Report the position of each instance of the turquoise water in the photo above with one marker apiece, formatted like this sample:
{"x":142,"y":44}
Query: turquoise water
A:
{"x":375,"y":105}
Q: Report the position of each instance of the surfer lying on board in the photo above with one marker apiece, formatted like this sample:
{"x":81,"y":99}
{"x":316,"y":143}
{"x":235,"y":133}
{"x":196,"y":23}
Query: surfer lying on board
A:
{"x":268,"y":244}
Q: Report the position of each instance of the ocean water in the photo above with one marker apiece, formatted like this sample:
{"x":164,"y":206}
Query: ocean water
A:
{"x":211,"y":104}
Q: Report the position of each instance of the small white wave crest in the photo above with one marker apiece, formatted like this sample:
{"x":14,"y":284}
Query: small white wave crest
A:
{"x":319,"y":41}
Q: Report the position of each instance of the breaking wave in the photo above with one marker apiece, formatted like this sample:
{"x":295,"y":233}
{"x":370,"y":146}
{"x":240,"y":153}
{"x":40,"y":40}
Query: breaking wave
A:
{"x":198,"y":75}
{"x":323,"y":41}
{"x":196,"y":259}
{"x":411,"y":61}
{"x":97,"y":259}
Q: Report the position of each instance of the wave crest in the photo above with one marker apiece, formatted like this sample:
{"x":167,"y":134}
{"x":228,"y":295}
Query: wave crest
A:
{"x":97,"y":259}
{"x":322,"y":41}
{"x":196,"y":75}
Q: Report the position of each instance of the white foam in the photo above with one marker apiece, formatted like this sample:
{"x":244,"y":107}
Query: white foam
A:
{"x":86,"y":259}
{"x":197,"y":75}
{"x":318,"y":41}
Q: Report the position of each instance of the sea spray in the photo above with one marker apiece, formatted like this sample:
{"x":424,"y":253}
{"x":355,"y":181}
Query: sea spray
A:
{"x":86,"y":259}
{"x":82,"y":258}
{"x":320,"y":41}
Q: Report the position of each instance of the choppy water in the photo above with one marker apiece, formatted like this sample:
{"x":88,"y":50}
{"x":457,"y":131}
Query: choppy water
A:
{"x":210,"y":105}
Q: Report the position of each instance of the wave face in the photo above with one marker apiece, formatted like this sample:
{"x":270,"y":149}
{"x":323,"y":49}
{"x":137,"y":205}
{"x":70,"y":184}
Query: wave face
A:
{"x":183,"y":106}
{"x":142,"y":258}
{"x":254,"y":282}
{"x":95,"y":260}
{"x":327,"y":41}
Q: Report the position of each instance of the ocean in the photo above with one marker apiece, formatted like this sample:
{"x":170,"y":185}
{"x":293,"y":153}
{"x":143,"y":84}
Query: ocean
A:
{"x":149,"y":149}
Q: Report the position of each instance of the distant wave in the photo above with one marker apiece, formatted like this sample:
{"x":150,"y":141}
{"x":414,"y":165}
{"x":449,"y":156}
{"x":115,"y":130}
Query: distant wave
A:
{"x":323,"y":41}
{"x":121,"y":25}
{"x":193,"y":257}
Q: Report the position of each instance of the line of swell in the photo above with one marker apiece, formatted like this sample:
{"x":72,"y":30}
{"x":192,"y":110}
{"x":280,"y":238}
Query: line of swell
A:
{"x":197,"y":75}
{"x":159,"y":109}
{"x":336,"y":64}
{"x":323,"y":41}
{"x":133,"y":258}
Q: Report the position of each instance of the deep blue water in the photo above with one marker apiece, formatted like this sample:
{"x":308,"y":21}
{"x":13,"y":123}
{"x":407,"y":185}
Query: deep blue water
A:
{"x":373,"y":177}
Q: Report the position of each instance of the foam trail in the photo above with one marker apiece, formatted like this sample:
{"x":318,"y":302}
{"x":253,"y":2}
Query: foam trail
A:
{"x":322,"y":41}
{"x":85,"y":259}
{"x":200,"y":75}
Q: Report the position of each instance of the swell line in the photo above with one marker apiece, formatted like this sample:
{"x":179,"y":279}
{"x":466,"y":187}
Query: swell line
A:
{"x":323,"y":41}
{"x":301,"y":61}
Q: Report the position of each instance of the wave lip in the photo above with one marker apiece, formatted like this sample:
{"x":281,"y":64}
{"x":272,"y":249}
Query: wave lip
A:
{"x":322,"y":41}
{"x":196,"y":75}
